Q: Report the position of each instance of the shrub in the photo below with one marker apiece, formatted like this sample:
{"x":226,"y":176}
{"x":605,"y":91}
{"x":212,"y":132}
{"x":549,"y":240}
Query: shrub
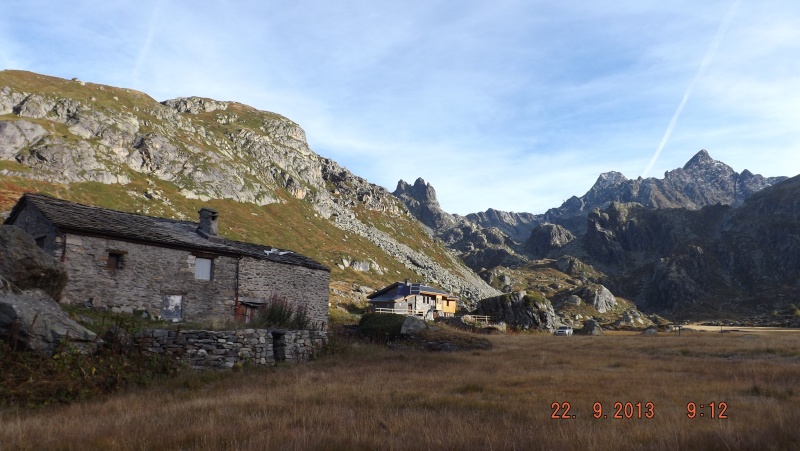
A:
{"x":280,"y":312}
{"x":29,"y":379}
{"x":381,"y":324}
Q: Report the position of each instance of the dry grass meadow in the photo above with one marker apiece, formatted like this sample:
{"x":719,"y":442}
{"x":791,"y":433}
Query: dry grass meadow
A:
{"x":370,"y":397}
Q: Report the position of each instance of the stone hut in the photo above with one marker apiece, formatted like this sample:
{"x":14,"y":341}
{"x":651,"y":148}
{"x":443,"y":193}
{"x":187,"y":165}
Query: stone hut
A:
{"x":178,"y":270}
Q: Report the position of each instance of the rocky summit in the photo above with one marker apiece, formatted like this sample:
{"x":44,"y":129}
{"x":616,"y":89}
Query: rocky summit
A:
{"x":420,"y":198}
{"x":701,"y":181}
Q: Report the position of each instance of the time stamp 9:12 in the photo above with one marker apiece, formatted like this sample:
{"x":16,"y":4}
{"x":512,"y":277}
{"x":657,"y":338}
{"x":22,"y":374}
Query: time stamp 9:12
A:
{"x":640,"y":410}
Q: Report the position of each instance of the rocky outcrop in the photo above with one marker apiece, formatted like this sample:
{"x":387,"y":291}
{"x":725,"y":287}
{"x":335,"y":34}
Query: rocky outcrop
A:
{"x":678,"y":281}
{"x":598,"y":297}
{"x":23,"y":266}
{"x":547,"y":238}
{"x":29,"y":280}
{"x":34,"y":322}
{"x":517,"y":226}
{"x":520,"y":310}
{"x":195,"y":105}
{"x":421,"y":201}
{"x":413,"y":325}
{"x":17,"y":135}
{"x":592,"y":327}
{"x":576,"y":268}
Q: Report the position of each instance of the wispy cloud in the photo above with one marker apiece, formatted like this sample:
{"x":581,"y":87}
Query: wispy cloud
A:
{"x":144,"y":50}
{"x":712,"y":50}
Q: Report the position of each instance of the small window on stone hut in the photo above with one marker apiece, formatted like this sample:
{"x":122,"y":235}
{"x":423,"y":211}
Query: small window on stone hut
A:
{"x":114,"y":260}
{"x":202,"y":268}
{"x":40,"y":241}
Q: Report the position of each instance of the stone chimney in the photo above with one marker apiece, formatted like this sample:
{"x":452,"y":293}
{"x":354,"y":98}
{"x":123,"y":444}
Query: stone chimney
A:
{"x":208,"y":222}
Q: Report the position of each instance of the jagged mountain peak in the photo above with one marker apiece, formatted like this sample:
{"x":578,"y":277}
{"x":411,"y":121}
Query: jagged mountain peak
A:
{"x":420,"y":199}
{"x":420,"y":191}
{"x":701,"y":181}
{"x":608,"y":179}
{"x":701,"y":158}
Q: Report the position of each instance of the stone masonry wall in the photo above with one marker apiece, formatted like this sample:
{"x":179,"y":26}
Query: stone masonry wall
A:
{"x":260,"y":279}
{"x":148,"y":273}
{"x":225,"y":349}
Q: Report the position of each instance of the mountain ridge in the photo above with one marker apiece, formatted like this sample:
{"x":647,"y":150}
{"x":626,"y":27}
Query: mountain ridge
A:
{"x":663,"y":243}
{"x":682,"y":187}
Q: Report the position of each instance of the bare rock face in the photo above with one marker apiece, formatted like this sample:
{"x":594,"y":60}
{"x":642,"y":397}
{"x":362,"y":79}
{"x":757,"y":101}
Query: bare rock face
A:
{"x":546,"y":238}
{"x":26,"y":266}
{"x":598,"y":296}
{"x":520,"y":310}
{"x":194,"y":105}
{"x":16,"y":135}
{"x":517,"y":226}
{"x":420,"y":198}
{"x":576,"y":268}
{"x":34,"y":322}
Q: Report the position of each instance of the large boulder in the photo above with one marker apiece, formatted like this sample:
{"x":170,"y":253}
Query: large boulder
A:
{"x":592,"y":327}
{"x":34,"y":322}
{"x":520,"y":310}
{"x":598,"y":296}
{"x":26,"y":266}
{"x":413,"y":325}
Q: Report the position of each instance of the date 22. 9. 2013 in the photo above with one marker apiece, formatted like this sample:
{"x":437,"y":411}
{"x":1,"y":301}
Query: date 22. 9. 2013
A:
{"x":626,"y":410}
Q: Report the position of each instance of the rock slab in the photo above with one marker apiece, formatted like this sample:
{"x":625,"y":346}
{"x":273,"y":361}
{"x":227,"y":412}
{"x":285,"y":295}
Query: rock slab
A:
{"x":34,"y":322}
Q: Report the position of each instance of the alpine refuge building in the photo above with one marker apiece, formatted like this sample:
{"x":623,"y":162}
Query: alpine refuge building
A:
{"x":175,"y":270}
{"x":413,"y":299}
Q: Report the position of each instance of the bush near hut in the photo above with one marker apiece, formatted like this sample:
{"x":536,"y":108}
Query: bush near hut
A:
{"x":381,"y":325}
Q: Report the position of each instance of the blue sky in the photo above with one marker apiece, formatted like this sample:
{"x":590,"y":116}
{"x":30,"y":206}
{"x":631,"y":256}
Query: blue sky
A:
{"x":514,"y":105}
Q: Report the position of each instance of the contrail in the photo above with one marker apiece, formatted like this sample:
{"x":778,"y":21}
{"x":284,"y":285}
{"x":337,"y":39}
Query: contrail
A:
{"x":712,"y":50}
{"x":148,"y":40}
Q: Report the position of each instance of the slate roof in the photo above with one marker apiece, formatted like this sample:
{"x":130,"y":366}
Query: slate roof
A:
{"x":400,"y":290}
{"x":84,"y":219}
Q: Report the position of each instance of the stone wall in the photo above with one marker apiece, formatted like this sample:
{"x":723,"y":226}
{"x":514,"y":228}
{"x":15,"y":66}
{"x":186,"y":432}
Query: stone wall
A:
{"x":261,"y":279}
{"x":147,"y":274}
{"x":202,"y":349}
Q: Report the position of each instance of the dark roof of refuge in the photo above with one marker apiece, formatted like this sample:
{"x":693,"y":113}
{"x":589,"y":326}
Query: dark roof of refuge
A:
{"x":399,"y":290}
{"x":86,"y":219}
